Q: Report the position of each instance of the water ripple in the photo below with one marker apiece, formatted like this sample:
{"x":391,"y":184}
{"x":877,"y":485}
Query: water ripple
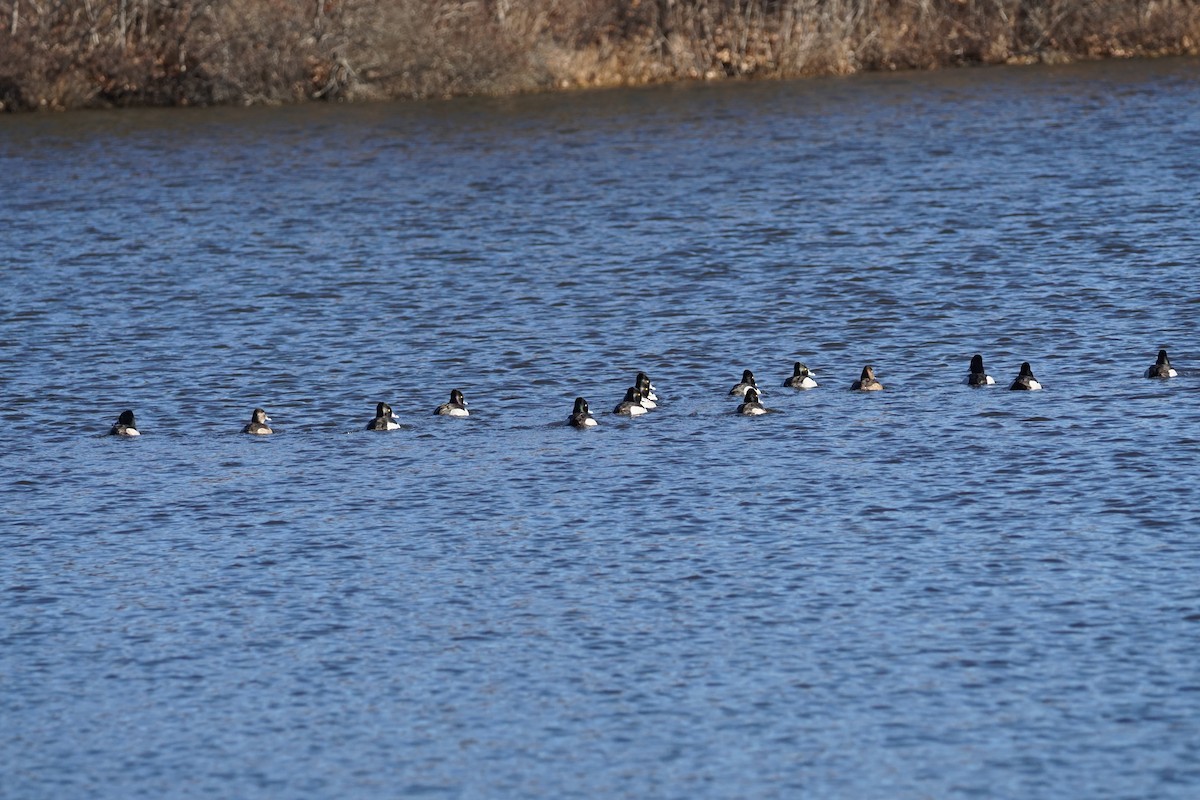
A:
{"x":933,"y":591}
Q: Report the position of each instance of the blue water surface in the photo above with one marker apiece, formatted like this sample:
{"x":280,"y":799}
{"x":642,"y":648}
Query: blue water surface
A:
{"x":926,"y":592}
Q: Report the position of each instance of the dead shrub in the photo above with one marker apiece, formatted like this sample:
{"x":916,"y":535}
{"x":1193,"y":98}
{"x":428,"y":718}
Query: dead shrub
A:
{"x":126,"y":52}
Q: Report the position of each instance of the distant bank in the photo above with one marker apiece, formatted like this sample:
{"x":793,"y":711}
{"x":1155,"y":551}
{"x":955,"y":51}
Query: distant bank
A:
{"x":103,"y":53}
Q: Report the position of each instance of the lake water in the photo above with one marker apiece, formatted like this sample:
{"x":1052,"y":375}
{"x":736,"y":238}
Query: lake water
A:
{"x":927,"y":592}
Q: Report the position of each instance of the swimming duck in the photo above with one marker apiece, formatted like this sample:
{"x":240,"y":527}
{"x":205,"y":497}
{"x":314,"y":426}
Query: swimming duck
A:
{"x":457,"y":407}
{"x":384,"y":421}
{"x":977,"y":375}
{"x":866,"y":381}
{"x":645,"y":387}
{"x":258,"y":423}
{"x":1025,"y":380}
{"x":802,"y":378}
{"x":646,"y":391}
{"x":752,"y":407}
{"x":581,"y":417}
{"x":631,"y":406}
{"x":125,"y":425}
{"x":747,"y":383}
{"x":1162,"y":367}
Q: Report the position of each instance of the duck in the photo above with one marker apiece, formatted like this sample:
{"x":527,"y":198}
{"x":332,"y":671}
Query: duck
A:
{"x":644,"y":385}
{"x":384,"y":421}
{"x":802,"y":377}
{"x":1025,"y":380}
{"x":631,"y":406}
{"x":977,"y":376}
{"x":646,"y":390}
{"x":258,"y":423}
{"x":1162,"y":367}
{"x":751,"y":407}
{"x":866,"y":381}
{"x":581,"y":417}
{"x":125,"y":425}
{"x":746,"y":383}
{"x":457,"y":407}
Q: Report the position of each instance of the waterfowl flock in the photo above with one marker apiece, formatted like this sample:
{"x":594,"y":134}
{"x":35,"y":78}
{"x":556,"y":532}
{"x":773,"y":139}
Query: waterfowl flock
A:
{"x":802,"y":378}
{"x":751,"y":407}
{"x":866,"y":381}
{"x":457,"y":407}
{"x":978,"y":375}
{"x":1162,"y":367}
{"x":746,"y":384}
{"x":1025,"y":380}
{"x":384,"y":419}
{"x":125,"y":425}
{"x":258,"y":423}
{"x":640,"y":398}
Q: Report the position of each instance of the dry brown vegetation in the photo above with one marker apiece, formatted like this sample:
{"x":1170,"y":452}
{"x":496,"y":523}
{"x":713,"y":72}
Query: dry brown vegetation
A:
{"x":83,"y":53}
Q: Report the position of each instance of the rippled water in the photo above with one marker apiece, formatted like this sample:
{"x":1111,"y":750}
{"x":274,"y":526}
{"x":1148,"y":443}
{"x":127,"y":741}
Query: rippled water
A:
{"x":926,"y":592}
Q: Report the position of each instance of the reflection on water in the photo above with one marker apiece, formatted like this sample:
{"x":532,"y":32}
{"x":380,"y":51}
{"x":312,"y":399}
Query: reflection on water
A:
{"x":930,"y":591}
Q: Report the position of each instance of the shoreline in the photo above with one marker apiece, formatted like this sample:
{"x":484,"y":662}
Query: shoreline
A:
{"x":127,"y":53}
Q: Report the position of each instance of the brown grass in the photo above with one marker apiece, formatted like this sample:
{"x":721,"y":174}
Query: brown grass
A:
{"x":87,"y":53}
